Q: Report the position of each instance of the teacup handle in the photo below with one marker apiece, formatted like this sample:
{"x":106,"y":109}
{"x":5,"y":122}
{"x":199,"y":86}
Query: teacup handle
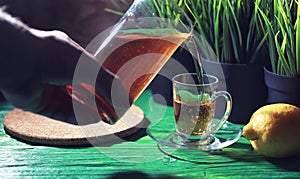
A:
{"x":215,"y":127}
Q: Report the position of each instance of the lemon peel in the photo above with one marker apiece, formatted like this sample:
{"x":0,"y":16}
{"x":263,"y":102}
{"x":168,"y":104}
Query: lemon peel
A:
{"x":274,"y":130}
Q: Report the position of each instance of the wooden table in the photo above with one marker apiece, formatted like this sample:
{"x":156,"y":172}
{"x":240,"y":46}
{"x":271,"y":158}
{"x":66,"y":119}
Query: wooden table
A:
{"x":141,"y":158}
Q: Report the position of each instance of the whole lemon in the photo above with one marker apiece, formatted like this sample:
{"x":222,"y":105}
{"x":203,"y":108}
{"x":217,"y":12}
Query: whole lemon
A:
{"x":274,"y":130}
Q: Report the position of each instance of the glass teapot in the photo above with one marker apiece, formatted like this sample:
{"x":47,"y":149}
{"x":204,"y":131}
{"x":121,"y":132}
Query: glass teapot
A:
{"x":133,"y":51}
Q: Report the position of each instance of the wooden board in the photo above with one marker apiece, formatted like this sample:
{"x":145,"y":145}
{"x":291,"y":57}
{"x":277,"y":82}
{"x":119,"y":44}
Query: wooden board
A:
{"x":37,"y":129}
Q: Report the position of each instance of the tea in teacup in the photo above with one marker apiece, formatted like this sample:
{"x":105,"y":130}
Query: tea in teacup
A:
{"x":194,"y":117}
{"x":194,"y":106}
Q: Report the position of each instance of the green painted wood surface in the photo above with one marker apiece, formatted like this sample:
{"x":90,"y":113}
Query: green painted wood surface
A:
{"x":140,"y":159}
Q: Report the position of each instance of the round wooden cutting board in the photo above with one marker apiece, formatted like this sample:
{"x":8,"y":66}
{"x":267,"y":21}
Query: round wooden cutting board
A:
{"x":40,"y":130}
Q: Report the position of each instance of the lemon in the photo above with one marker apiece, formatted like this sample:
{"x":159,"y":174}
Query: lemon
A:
{"x":274,"y":130}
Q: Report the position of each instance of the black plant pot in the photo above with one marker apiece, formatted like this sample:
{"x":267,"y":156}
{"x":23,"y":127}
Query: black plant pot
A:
{"x":282,"y":89}
{"x":245,"y":83}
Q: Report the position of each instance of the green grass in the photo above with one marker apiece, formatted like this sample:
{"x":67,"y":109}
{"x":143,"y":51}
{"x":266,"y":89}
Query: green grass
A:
{"x":230,"y":27}
{"x":281,"y":23}
{"x":239,"y":31}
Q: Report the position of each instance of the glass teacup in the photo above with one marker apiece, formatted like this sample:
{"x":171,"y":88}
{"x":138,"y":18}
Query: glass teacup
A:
{"x":194,"y":107}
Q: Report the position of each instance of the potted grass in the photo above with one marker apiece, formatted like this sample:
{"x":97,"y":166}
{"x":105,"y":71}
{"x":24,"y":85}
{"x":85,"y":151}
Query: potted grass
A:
{"x":231,"y":30}
{"x":282,"y":75}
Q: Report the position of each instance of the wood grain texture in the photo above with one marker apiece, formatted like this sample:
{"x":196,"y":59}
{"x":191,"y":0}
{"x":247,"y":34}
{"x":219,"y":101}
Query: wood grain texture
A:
{"x":141,"y":158}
